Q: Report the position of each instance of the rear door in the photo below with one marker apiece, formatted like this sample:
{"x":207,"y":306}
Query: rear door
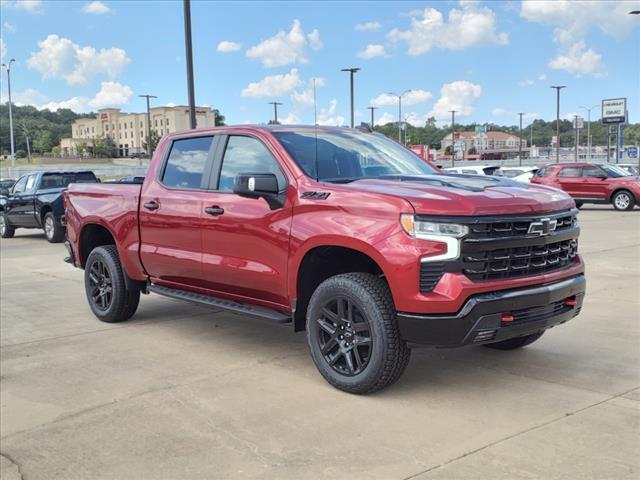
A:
{"x":171,"y":212}
{"x":594,"y":181}
{"x":570,"y":180}
{"x":245,"y":241}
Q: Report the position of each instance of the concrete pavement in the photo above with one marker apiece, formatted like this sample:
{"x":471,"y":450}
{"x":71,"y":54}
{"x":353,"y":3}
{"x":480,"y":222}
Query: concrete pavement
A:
{"x":183,"y":392}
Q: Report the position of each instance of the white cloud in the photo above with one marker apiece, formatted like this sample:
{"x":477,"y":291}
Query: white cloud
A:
{"x":572,"y":21}
{"x":59,"y":57}
{"x":327,"y":116}
{"x":469,"y":26}
{"x":29,"y":96}
{"x":304,"y":98}
{"x":368,"y":26}
{"x":413,"y":97}
{"x":226,"y":46}
{"x":542,"y":77}
{"x":385,"y":118}
{"x":526,"y":83}
{"x":9,"y":27}
{"x":498,"y":112}
{"x":29,"y":6}
{"x":95,"y":8}
{"x":415,"y":119}
{"x":576,"y":59}
{"x":111,"y":94}
{"x":372,"y":51}
{"x":285,"y":48}
{"x":273,"y":85}
{"x":459,"y":96}
{"x":290,"y":119}
{"x":501,"y":112}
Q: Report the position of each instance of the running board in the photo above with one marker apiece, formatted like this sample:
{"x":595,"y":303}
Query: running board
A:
{"x":229,"y":305}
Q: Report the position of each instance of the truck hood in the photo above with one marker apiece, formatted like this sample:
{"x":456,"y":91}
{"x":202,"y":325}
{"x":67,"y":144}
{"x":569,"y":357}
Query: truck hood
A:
{"x":467,"y":195}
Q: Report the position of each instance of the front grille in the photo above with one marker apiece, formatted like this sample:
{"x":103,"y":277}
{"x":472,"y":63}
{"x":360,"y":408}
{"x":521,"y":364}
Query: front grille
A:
{"x":519,"y":261}
{"x":514,"y":227}
{"x":430,"y":274}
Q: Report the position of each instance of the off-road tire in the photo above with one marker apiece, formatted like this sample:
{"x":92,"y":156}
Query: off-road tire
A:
{"x":388,"y":352}
{"x":123,"y":303}
{"x":6,"y":230}
{"x":514,"y":343}
{"x":53,"y":231}
{"x":623,"y":200}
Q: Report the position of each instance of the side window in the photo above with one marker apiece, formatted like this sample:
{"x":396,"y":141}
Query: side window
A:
{"x":570,"y":172}
{"x":467,"y":171}
{"x":246,"y":155}
{"x":20,"y":185}
{"x":31,"y":183}
{"x":593,"y":171}
{"x":186,"y":163}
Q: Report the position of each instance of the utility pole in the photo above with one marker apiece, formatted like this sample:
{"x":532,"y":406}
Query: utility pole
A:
{"x":13,"y":151}
{"x":275,"y":111}
{"x":520,"y":140}
{"x":372,"y":110}
{"x":189,"y":53}
{"x":589,"y":130}
{"x":25,"y":132}
{"x":149,"y":145}
{"x":575,"y":122}
{"x":453,"y":134}
{"x":351,"y":71}
{"x":531,"y":141}
{"x":558,"y":88}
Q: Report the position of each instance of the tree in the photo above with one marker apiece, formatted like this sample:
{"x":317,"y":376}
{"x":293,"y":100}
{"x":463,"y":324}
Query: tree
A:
{"x":472,"y":151}
{"x":105,"y":147}
{"x":44,"y":142}
{"x":155,"y":138}
{"x":218,"y":118}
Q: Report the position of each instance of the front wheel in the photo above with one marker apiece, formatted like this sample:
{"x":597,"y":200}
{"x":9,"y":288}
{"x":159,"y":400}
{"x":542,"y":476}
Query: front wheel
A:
{"x":353,"y":335}
{"x":106,"y":290}
{"x":514,"y":343}
{"x":623,"y":200}
{"x":52,"y":229}
{"x":6,"y":230}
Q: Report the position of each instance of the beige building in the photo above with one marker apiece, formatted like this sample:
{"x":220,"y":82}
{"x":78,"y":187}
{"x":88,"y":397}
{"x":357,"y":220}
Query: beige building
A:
{"x":129,"y":130}
{"x":483,"y":141}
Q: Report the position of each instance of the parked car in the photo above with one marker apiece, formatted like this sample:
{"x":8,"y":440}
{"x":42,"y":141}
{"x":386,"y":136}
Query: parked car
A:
{"x":340,"y":232}
{"x":632,"y":168}
{"x":5,"y":185}
{"x":592,"y":183}
{"x":474,"y":169}
{"x":35,"y":201}
{"x":519,"y":174}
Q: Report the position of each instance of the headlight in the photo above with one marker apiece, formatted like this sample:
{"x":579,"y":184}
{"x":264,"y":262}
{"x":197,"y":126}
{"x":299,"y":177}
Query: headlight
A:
{"x":447,"y":233}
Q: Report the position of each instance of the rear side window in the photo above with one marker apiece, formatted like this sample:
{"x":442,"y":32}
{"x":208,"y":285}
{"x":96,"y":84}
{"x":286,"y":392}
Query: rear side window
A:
{"x":570,"y":172}
{"x":466,"y":171}
{"x":593,"y":171}
{"x":62,"y":180}
{"x":543,"y":172}
{"x":186,"y":163}
{"x":246,"y":155}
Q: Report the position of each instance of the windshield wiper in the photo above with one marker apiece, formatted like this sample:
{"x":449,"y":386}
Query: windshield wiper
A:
{"x":341,"y":179}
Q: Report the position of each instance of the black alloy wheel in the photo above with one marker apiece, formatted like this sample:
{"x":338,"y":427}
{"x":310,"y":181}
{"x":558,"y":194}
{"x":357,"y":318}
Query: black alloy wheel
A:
{"x":344,"y":336}
{"x":100,"y":284}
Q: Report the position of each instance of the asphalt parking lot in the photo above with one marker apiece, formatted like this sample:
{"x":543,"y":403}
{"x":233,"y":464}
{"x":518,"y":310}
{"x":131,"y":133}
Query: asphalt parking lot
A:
{"x":184,"y":392}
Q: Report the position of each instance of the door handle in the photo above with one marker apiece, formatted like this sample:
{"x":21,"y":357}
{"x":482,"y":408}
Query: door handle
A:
{"x":214,"y":210}
{"x":152,"y":205}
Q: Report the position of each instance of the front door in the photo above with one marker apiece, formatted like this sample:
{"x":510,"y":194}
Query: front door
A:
{"x":245,"y":242}
{"x":171,"y":214}
{"x":594,"y":181}
{"x":20,"y":202}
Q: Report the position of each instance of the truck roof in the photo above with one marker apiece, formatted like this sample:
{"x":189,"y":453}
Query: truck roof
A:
{"x":267,"y":128}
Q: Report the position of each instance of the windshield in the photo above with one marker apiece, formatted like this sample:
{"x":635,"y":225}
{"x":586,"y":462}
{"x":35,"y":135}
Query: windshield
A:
{"x":348,"y":155}
{"x":615,"y":172}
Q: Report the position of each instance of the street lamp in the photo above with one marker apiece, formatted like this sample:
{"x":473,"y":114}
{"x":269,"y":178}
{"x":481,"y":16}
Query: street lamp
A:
{"x":558,"y":88}
{"x":399,"y":111}
{"x":453,"y":134}
{"x":351,"y":71}
{"x":8,"y":67}
{"x":589,"y":129}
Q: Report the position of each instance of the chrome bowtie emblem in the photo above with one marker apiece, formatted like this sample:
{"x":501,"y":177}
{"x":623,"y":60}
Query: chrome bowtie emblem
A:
{"x":544,"y":226}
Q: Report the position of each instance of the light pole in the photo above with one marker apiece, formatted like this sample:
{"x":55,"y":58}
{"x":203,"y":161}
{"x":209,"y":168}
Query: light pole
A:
{"x":189,"y":54}
{"x":149,"y":145}
{"x":13,"y":153}
{"x":558,"y":88}
{"x":372,"y":110}
{"x":520,"y":140}
{"x":575,"y":121}
{"x":275,"y":111}
{"x":399,"y":112}
{"x":589,"y":130}
{"x":453,"y":134}
{"x":352,"y":72}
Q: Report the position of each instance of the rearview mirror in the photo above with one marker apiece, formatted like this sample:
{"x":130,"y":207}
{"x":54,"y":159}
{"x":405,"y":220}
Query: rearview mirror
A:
{"x":256,"y":185}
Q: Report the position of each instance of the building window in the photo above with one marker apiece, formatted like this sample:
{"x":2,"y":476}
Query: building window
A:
{"x":160,"y":121}
{"x":156,"y":122}
{"x":131,"y":125}
{"x":125,"y":134}
{"x":106,"y":127}
{"x":140,"y":124}
{"x":167,"y":122}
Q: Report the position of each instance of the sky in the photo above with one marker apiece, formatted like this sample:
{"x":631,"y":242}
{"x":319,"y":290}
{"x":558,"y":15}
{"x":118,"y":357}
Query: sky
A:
{"x":487,"y":60}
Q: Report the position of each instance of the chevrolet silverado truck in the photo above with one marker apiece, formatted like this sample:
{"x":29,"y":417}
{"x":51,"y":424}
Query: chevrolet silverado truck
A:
{"x":342,"y":233}
{"x":35,"y":201}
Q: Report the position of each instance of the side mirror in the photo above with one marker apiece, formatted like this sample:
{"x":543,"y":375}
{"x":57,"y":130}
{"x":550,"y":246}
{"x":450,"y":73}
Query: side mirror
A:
{"x":256,"y":185}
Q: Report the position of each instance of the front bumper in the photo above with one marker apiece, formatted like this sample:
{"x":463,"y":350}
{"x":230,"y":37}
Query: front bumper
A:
{"x":496,"y":316}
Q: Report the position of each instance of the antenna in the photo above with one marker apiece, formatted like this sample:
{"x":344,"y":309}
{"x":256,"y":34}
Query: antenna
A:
{"x":315,"y":127}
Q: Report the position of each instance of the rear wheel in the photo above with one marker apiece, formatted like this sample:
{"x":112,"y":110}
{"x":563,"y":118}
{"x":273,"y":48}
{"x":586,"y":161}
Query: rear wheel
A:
{"x":105,"y":286}
{"x":514,"y":343}
{"x":52,"y":229}
{"x":6,"y":230}
{"x":353,"y":335}
{"x":623,"y":200}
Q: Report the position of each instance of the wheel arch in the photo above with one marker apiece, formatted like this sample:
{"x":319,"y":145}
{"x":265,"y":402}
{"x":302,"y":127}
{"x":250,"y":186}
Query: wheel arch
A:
{"x":622,"y":189}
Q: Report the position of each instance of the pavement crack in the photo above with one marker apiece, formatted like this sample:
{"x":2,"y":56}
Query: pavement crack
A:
{"x":517,"y":434}
{"x":13,"y":461}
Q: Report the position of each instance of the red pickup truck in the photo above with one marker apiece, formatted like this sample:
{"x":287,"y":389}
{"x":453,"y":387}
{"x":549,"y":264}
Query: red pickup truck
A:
{"x":340,"y":232}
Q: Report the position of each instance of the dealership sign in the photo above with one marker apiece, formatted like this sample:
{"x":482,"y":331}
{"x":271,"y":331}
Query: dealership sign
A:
{"x":614,"y":110}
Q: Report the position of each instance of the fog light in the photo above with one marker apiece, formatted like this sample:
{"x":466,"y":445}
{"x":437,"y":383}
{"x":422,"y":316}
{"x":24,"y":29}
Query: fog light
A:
{"x":570,"y":302}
